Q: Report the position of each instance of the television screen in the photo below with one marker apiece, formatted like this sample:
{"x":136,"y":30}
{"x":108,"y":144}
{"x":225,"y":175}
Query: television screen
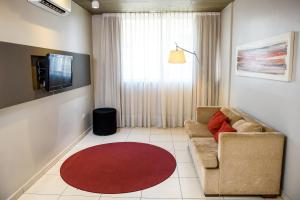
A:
{"x":60,"y":71}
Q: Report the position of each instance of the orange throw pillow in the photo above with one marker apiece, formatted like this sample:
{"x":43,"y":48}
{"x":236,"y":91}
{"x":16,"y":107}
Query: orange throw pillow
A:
{"x":224,"y":128}
{"x":216,"y":122}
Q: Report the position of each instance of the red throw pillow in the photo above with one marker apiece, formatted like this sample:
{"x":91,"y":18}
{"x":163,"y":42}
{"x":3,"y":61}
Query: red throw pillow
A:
{"x":224,"y":128}
{"x":216,"y":122}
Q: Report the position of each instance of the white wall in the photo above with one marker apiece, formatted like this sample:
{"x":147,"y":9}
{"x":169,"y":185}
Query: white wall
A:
{"x":31,"y":134}
{"x":24,"y":23}
{"x":225,"y":56}
{"x":273,"y":102}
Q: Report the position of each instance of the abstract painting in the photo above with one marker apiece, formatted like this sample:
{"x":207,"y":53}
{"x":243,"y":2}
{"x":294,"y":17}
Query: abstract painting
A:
{"x":270,"y":58}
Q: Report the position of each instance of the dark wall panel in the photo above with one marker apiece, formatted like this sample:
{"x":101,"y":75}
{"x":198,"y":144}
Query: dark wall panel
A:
{"x":16,"y":84}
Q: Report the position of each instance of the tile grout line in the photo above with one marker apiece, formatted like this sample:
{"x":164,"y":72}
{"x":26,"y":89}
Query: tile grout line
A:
{"x":176,"y":165}
{"x":149,"y":142}
{"x":127,"y":137}
{"x":60,"y":195}
{"x":150,"y":135}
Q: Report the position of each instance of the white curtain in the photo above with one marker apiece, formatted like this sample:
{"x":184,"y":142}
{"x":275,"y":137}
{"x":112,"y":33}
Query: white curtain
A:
{"x":132,"y":70}
{"x":107,"y":62}
{"x":207,"y":36}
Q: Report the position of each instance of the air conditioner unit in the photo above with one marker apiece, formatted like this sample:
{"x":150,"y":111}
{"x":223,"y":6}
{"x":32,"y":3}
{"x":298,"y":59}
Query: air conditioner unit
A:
{"x":57,"y":7}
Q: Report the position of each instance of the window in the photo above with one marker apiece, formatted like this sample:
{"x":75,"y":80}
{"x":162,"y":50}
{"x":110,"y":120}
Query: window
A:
{"x":146,"y":40}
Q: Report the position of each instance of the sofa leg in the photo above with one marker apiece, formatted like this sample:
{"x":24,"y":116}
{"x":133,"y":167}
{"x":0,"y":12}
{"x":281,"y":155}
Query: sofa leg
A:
{"x":269,"y":196}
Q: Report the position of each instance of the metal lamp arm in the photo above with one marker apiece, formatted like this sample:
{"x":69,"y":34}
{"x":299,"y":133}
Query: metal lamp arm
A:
{"x":194,"y":53}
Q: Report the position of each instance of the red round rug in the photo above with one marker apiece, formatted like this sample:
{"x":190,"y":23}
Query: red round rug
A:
{"x":118,"y":167}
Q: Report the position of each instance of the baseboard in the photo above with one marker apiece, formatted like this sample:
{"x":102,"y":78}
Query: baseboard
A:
{"x":44,"y":170}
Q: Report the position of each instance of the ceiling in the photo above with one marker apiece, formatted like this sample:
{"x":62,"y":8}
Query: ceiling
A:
{"x":112,"y":6}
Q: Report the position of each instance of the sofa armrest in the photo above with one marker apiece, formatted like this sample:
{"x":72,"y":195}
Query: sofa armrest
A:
{"x":253,"y":160}
{"x":204,"y":113}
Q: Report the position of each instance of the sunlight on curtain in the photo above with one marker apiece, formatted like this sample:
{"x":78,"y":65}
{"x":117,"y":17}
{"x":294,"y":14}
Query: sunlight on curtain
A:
{"x":146,"y":41}
{"x":154,"y":92}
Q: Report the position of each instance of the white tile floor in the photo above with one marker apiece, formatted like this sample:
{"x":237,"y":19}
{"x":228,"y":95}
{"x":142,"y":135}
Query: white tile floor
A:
{"x":183,"y":184}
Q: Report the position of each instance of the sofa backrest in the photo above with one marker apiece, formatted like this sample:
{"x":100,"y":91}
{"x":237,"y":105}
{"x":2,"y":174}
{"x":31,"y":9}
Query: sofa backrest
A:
{"x":249,"y":118}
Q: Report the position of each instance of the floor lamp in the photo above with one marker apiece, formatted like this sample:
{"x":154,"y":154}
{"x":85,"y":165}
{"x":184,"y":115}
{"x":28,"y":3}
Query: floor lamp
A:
{"x":177,"y":56}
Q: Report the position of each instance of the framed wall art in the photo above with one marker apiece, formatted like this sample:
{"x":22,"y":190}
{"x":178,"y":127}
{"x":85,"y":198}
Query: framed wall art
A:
{"x":269,"y":59}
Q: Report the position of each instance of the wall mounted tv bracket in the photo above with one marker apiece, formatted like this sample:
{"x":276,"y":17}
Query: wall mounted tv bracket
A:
{"x":39,"y":72}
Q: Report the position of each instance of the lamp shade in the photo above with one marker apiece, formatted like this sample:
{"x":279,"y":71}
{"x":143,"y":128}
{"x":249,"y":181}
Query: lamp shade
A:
{"x":176,"y":57}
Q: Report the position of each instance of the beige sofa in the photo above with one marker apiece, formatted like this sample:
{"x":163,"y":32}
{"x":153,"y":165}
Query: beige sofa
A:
{"x":243,"y":163}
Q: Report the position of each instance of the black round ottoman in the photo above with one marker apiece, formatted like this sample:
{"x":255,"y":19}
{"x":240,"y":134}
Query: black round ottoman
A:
{"x":104,"y":121}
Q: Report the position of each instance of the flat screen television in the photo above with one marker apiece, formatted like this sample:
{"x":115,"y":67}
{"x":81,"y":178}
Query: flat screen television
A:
{"x":59,"y":72}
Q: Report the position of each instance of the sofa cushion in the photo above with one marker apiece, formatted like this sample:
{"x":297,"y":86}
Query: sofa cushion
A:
{"x":216,"y":122}
{"x":225,"y":128}
{"x":207,"y":150}
{"x":246,"y":126}
{"x":196,"y":129}
{"x":232,"y":116}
